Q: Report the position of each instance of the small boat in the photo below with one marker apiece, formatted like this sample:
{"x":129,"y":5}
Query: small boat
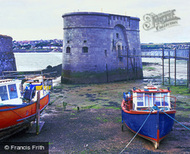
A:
{"x":17,"y":107}
{"x":149,"y":112}
{"x":40,"y":83}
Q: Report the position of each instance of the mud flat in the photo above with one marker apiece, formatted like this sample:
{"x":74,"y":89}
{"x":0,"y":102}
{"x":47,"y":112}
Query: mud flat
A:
{"x":96,"y":126}
{"x":152,"y":69}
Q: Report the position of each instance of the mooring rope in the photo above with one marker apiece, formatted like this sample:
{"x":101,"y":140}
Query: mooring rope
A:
{"x":136,"y":133}
{"x":16,"y":113}
{"x":175,"y":120}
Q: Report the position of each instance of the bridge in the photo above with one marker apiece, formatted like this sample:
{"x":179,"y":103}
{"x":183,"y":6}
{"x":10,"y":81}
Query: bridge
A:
{"x":176,"y":54}
{"x":179,"y":54}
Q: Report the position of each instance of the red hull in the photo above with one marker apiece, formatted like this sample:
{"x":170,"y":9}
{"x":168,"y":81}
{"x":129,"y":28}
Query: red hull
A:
{"x":14,"y":115}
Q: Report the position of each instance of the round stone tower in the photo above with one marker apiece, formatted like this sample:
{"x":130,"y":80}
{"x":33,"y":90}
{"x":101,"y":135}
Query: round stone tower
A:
{"x":7,"y":59}
{"x":100,"y":47}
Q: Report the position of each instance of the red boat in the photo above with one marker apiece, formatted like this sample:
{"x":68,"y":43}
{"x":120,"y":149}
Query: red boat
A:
{"x":17,"y":108}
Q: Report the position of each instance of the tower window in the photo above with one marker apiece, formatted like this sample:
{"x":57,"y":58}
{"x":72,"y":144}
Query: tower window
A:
{"x":68,"y":50}
{"x":117,"y":35}
{"x":105,"y":52}
{"x":85,"y":49}
{"x":134,"y":51}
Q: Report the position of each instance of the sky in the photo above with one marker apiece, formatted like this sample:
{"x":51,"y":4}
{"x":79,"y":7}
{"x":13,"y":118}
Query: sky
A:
{"x":42,"y":19}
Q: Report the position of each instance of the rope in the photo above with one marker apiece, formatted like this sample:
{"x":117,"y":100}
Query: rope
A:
{"x":175,"y":120}
{"x":136,"y":133}
{"x":17,"y":113}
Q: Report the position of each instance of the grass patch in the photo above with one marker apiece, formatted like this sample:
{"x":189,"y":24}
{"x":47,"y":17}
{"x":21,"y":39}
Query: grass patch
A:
{"x":51,"y":102}
{"x":118,"y":119}
{"x":105,"y":120}
{"x":98,"y":118}
{"x":95,"y":106}
{"x":182,"y":90}
{"x":60,"y":86}
{"x":112,"y":107}
{"x":102,"y":119}
{"x":149,"y":68}
{"x":185,"y":114}
{"x":58,"y":106}
{"x":73,"y":114}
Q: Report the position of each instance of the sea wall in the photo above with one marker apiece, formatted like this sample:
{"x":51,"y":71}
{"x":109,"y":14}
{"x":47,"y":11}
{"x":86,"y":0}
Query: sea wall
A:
{"x":7,"y":59}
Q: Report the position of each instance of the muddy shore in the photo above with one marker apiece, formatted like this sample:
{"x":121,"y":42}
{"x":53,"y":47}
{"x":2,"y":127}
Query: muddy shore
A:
{"x":96,"y":126}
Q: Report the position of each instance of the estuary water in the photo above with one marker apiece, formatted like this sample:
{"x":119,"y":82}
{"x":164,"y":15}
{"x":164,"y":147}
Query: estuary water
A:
{"x":36,"y":61}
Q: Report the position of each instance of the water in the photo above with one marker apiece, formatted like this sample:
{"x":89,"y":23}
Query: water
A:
{"x":39,"y":61}
{"x":156,"y":72}
{"x":36,"y":61}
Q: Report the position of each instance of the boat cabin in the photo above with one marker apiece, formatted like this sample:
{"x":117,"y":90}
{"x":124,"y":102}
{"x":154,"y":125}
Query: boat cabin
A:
{"x":40,"y":83}
{"x":10,"y":92}
{"x":150,"y":97}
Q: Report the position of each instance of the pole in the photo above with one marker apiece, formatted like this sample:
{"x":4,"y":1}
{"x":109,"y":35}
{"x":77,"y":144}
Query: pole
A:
{"x":42,"y":81}
{"x":162,"y":66}
{"x":38,"y":113}
{"x":169,"y":65}
{"x":188,"y":71}
{"x":107,"y":72}
{"x":188,"y":74}
{"x":175,"y":66}
{"x":127,"y":61}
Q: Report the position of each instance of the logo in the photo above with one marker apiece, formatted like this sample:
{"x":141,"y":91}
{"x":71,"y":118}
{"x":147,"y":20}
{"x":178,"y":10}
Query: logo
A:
{"x":160,"y":21}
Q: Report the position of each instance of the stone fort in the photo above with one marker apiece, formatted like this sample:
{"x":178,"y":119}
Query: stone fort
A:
{"x":100,"y":47}
{"x":7,"y":59}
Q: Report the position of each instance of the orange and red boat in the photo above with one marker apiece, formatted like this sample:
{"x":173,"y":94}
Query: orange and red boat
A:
{"x":17,"y":106}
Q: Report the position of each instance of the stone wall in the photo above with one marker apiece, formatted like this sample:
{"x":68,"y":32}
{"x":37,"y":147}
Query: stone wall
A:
{"x":7,"y":59}
{"x":99,"y":47}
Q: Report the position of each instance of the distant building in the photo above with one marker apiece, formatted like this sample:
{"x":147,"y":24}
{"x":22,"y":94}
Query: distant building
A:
{"x":7,"y":59}
{"x":96,"y":46}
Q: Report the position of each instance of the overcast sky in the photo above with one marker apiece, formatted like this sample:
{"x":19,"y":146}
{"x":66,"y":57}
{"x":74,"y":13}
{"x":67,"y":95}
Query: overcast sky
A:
{"x":42,"y":19}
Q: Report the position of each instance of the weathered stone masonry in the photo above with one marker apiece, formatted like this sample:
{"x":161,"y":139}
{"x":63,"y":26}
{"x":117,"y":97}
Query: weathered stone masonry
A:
{"x":7,"y":59}
{"x":98,"y":47}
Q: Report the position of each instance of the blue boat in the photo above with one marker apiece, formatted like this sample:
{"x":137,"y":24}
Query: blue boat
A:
{"x":149,"y":112}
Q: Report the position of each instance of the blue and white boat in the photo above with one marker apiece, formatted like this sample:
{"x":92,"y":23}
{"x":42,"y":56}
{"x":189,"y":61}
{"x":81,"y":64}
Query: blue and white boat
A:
{"x":149,"y":112}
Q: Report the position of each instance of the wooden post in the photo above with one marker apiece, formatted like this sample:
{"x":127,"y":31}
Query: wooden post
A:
{"x":162,"y":66}
{"x":175,"y":66}
{"x":134,"y":71}
{"x":169,"y":65}
{"x":127,"y":59}
{"x":42,"y":81}
{"x":38,"y":113}
{"x":188,"y":71}
{"x":107,"y":72}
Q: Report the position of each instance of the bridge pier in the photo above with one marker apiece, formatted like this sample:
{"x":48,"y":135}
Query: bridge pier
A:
{"x":188,"y":71}
{"x":171,"y":54}
{"x":162,"y":66}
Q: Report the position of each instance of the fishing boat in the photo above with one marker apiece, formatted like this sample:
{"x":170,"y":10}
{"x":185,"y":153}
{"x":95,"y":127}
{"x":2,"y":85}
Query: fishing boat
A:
{"x":149,"y":112}
{"x":40,"y":82}
{"x":18,"y":107}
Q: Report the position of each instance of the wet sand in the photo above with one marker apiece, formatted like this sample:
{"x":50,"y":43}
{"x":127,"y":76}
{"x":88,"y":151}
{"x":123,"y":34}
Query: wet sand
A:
{"x":96,"y":127}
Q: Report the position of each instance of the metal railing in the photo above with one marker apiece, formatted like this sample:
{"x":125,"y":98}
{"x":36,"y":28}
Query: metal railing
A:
{"x":163,"y":103}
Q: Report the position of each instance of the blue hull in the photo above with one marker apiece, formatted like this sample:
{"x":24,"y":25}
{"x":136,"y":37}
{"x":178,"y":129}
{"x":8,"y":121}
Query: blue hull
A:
{"x":156,"y":127}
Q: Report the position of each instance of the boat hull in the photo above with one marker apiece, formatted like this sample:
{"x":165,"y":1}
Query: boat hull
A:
{"x":157,"y":126}
{"x":16,"y":116}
